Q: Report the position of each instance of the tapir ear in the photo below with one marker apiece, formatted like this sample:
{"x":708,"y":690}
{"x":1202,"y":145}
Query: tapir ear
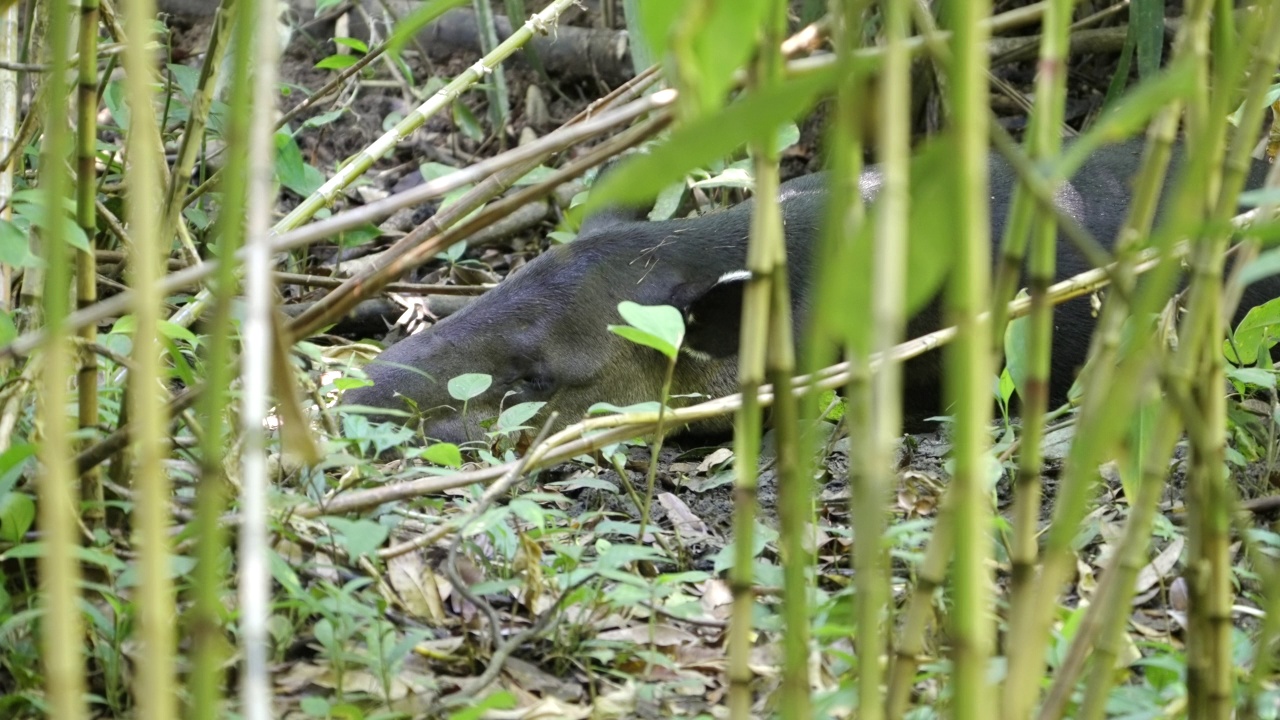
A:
{"x":713,"y":319}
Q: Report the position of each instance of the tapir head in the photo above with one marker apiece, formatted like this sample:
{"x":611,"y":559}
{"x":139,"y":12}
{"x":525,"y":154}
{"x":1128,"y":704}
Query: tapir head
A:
{"x":542,"y":334}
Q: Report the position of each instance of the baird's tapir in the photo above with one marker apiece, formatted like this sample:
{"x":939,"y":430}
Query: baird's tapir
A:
{"x":542,"y":333}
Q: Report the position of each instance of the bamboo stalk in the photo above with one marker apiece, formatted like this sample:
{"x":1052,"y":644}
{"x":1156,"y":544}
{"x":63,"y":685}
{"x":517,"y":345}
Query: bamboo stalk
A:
{"x":967,"y":366}
{"x":155,"y":690}
{"x":62,"y":652}
{"x":888,"y":326}
{"x":208,"y":614}
{"x":765,"y":250}
{"x":258,"y":343}
{"x":1017,"y":699}
{"x":767,"y":257}
{"x":86,"y":264}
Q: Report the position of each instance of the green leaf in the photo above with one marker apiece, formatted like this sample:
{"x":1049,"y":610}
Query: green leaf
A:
{"x":476,"y":709}
{"x":291,"y":170}
{"x":1006,"y":386}
{"x":337,"y":62}
{"x":353,"y":43}
{"x":434,"y":170}
{"x":1259,"y":330}
{"x":32,"y":207}
{"x":1259,"y":196}
{"x":641,"y":337}
{"x":125,"y":325}
{"x":535,"y":176}
{"x":17,"y":515}
{"x":446,"y":454}
{"x":323,"y":119}
{"x":177,"y":332}
{"x":113,"y":98}
{"x":91,"y":556}
{"x":660,"y":327}
{"x":1263,"y":266}
{"x":514,"y":417}
{"x":667,"y":203}
{"x":641,"y":177}
{"x":15,"y":247}
{"x":409,"y":26}
{"x":1132,"y":114}
{"x":723,"y":44}
{"x":469,"y":385}
{"x":358,"y":236}
{"x":186,"y":78}
{"x":656,"y":19}
{"x":1016,"y":351}
{"x":1252,"y":377}
{"x":8,"y":331}
{"x":602,"y":408}
{"x":359,"y":537}
{"x":1146,"y":26}
{"x":467,"y":122}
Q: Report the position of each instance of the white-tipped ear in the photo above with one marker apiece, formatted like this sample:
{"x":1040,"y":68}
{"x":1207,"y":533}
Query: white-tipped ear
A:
{"x":734,"y":276}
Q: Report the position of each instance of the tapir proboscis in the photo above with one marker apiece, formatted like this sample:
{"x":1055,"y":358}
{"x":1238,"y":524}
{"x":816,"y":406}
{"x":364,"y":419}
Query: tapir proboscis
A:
{"x":542,"y":333}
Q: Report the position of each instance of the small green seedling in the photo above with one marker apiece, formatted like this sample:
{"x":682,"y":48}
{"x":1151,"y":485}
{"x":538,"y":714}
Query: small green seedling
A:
{"x":660,"y":327}
{"x":467,"y":386}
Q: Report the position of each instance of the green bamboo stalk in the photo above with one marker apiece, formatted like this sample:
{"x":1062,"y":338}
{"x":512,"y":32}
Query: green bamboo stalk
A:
{"x":259,"y":345}
{"x":62,"y":652}
{"x":208,"y":614}
{"x":155,"y":691}
{"x":833,"y":325}
{"x":968,"y":375}
{"x":1266,"y":55}
{"x":1196,"y":378}
{"x":753,"y":343}
{"x":748,"y":426}
{"x":888,"y":326}
{"x":1045,"y":142}
{"x":767,"y":257}
{"x":86,"y":266}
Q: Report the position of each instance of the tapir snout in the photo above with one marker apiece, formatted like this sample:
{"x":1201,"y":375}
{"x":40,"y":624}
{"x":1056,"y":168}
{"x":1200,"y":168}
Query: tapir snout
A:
{"x":542,"y":336}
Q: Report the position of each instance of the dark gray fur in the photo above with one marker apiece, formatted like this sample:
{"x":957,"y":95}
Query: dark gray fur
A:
{"x":541,"y":334}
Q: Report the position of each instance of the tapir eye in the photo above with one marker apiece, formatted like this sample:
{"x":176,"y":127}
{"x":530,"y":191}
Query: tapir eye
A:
{"x":529,"y":382}
{"x":535,"y":383}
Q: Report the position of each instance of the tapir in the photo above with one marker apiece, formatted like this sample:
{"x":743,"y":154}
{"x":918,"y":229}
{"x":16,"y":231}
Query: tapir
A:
{"x":541,"y":334}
